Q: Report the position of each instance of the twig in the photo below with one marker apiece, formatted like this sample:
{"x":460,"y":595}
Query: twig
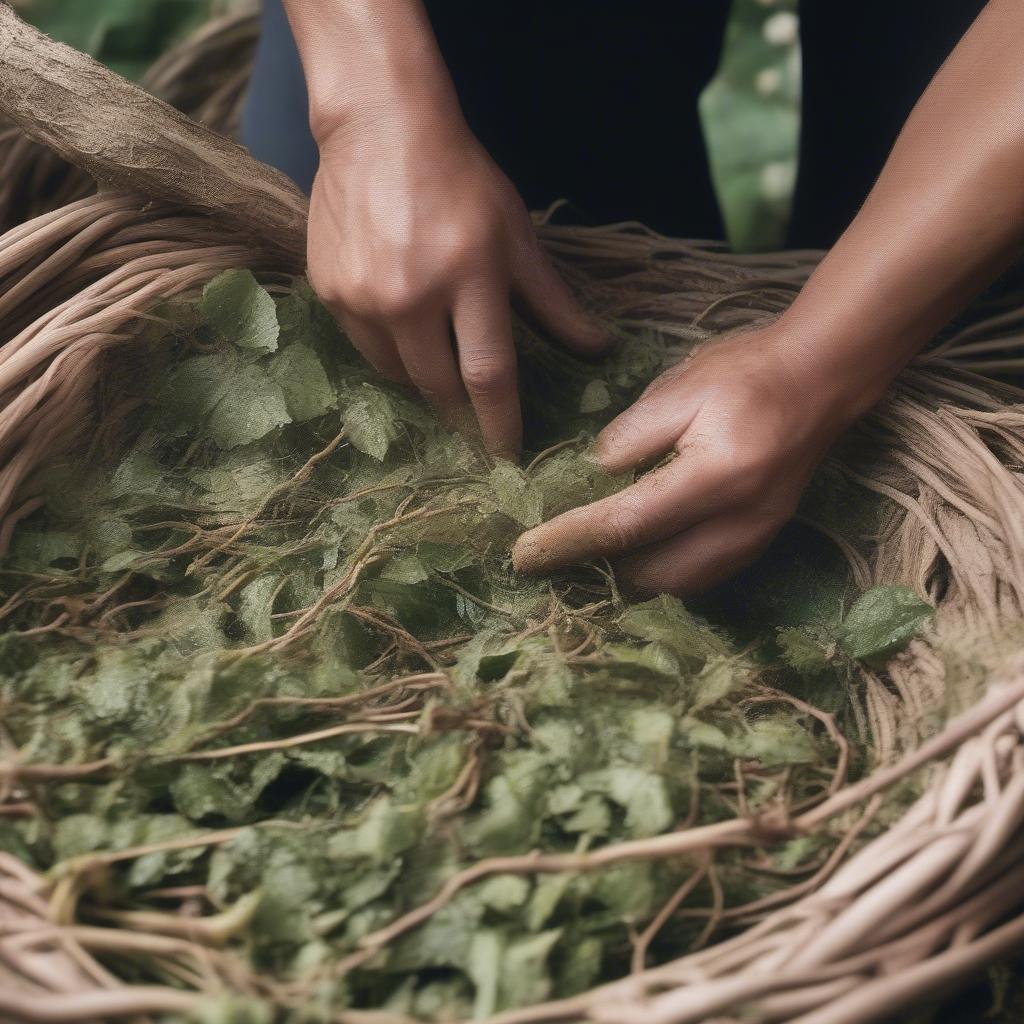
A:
{"x":643,"y":941}
{"x":290,"y":742}
{"x":452,"y":585}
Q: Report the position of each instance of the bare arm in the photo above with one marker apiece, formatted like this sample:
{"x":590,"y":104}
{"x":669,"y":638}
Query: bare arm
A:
{"x":362,"y":56}
{"x":751,"y":416}
{"x":944,"y":219}
{"x":415,"y":235}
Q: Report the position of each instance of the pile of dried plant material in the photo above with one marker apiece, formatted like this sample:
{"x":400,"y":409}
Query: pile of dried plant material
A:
{"x":285,"y":737}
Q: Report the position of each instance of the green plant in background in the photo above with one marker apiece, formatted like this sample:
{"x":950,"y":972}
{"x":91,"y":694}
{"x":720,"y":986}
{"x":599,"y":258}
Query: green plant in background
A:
{"x":751,"y":118}
{"x":127,"y":35}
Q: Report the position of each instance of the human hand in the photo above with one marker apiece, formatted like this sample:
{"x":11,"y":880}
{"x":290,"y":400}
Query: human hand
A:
{"x":749,"y":417}
{"x":415,"y":239}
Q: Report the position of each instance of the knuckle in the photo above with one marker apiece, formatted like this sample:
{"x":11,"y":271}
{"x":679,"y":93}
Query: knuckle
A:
{"x":326,"y":287}
{"x":487,"y":374}
{"x":385,"y":297}
{"x":466,"y":243}
{"x":623,"y":527}
{"x":747,"y":472}
{"x":355,"y":298}
{"x":627,"y":433}
{"x":396,"y":299}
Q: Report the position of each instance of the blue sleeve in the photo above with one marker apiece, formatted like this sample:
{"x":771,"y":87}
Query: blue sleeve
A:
{"x":275,"y":117}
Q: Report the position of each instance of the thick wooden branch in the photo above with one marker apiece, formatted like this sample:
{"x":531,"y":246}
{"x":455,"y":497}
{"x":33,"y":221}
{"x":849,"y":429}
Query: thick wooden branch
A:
{"x":126,"y":138}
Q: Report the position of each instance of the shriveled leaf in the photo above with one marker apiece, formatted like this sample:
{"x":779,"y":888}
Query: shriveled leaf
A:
{"x":370,"y":421}
{"x":595,"y":397}
{"x":241,"y":311}
{"x":803,"y":651}
{"x":517,"y":496}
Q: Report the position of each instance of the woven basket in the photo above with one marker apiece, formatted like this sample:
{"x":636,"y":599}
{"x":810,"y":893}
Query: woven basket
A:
{"x":881,"y":924}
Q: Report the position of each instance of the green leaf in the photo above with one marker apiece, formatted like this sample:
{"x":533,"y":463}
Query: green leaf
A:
{"x":510,"y":821}
{"x":719,"y":677}
{"x":518,"y":497}
{"x":300,"y":375}
{"x":138,"y":474}
{"x":201,"y":791}
{"x":574,"y":477}
{"x":446,"y":940}
{"x":240,"y":481}
{"x":255,"y":606}
{"x":525,"y":977}
{"x":405,"y":568}
{"x":388,"y":830}
{"x":191,"y":625}
{"x":548,"y":892}
{"x":652,"y":730}
{"x":626,"y":889}
{"x":241,"y":311}
{"x":194,"y":387}
{"x":231,"y":1009}
{"x":251,"y":406}
{"x":485,"y":965}
{"x":882,"y":621}
{"x":802,"y":651}
{"x":583,"y":969}
{"x":32,"y":548}
{"x":642,"y":795}
{"x":777,"y":741}
{"x":666,"y":620}
{"x":508,"y":973}
{"x":233,"y":401}
{"x":370,"y":421}
{"x":444,"y":558}
{"x":594,"y":818}
{"x":504,"y":892}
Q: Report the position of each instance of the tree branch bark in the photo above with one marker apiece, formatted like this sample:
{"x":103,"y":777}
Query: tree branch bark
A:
{"x":127,"y":139}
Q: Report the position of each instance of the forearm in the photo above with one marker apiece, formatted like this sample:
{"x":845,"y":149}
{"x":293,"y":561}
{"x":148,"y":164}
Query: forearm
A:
{"x":368,"y":60}
{"x":944,"y":219}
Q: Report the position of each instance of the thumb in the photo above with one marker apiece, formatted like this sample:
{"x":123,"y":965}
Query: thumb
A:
{"x":648,"y":429}
{"x":552,"y":304}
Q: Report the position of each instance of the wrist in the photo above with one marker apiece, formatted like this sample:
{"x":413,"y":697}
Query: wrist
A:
{"x":368,"y":63}
{"x":339,"y":111}
{"x":834,"y":379}
{"x":838,"y":376}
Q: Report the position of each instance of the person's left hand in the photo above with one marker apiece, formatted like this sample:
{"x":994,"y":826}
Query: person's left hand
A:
{"x":749,"y":417}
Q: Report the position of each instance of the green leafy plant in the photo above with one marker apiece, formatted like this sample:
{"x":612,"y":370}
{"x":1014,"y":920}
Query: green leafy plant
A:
{"x":265,"y":651}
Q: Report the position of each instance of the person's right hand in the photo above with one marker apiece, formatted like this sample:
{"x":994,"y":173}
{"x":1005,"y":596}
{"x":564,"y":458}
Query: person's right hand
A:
{"x":417,"y":240}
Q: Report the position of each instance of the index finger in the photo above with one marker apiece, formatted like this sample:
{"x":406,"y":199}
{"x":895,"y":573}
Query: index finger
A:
{"x":482,"y":320}
{"x":660,"y":504}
